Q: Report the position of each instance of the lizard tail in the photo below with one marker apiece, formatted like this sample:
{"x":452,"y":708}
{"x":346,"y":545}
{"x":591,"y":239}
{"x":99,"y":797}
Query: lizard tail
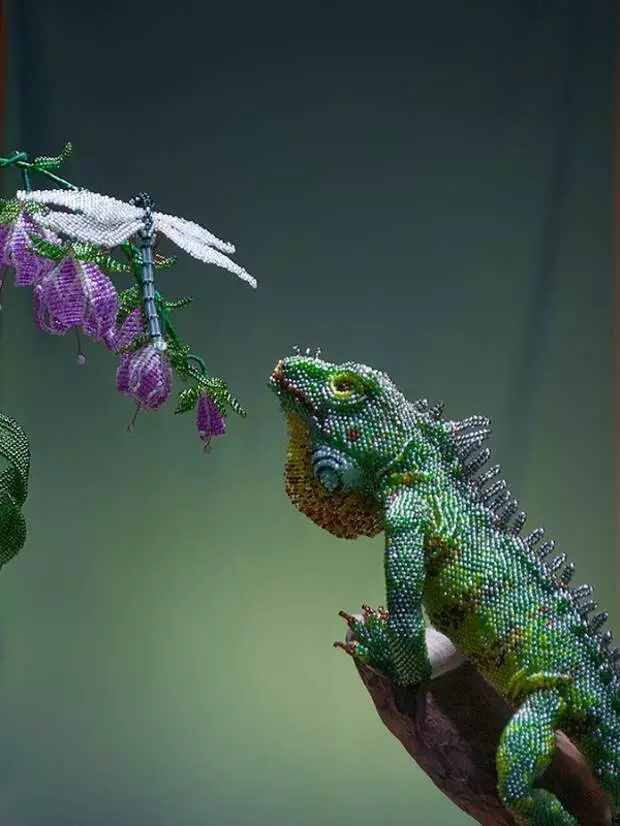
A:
{"x":601,"y":746}
{"x":607,"y":771}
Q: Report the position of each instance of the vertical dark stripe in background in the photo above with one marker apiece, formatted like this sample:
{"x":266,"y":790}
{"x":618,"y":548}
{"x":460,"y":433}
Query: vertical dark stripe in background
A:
{"x":535,"y":344}
{"x":24,"y":60}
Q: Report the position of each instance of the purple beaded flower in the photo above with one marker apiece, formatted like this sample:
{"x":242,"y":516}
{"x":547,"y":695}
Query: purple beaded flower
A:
{"x":16,"y":249}
{"x":145,"y":375}
{"x":76,"y":293}
{"x":117,"y":338}
{"x":209,"y":420}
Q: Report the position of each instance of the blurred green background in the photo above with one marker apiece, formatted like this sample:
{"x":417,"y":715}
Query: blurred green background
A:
{"x":425,"y":187}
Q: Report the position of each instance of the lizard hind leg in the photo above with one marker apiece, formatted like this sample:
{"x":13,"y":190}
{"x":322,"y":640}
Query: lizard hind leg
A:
{"x":525,"y":749}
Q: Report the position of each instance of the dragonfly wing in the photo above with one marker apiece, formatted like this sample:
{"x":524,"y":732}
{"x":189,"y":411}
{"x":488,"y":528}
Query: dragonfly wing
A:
{"x":206,"y":253}
{"x":87,"y":229}
{"x":102,"y":207}
{"x":193,"y":230}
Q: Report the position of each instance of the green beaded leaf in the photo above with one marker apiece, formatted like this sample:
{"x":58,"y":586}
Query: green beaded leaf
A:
{"x":188,"y":399}
{"x":106,"y":262}
{"x":46,"y":249}
{"x":128,"y":300}
{"x":131,"y":298}
{"x":178,"y":305}
{"x":89,"y":252}
{"x":53,"y":162}
{"x":9,"y":211}
{"x":79,"y":250}
{"x":177,"y":356}
{"x":15,"y":448}
{"x":234,"y":403}
{"x":160,"y":262}
{"x":216,"y":388}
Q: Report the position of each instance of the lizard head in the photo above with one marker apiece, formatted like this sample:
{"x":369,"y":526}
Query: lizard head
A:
{"x":346,"y":424}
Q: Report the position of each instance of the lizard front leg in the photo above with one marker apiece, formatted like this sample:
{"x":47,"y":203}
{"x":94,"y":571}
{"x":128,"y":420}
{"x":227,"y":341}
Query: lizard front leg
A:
{"x":393,"y":641}
{"x":404,"y":581}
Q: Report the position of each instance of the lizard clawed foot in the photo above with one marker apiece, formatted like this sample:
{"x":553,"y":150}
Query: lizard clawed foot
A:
{"x":350,"y":620}
{"x":350,"y":648}
{"x":367,"y":639}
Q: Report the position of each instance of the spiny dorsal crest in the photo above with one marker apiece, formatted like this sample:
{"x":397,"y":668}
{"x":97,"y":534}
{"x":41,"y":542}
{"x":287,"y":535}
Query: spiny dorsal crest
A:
{"x":467,"y":437}
{"x":561,"y":574}
{"x":436,"y":411}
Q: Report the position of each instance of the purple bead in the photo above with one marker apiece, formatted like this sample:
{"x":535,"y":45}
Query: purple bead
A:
{"x":209,"y":420}
{"x":146,"y":376}
{"x":16,"y":249}
{"x":117,"y":338}
{"x":103,"y":303}
{"x":75,"y":293}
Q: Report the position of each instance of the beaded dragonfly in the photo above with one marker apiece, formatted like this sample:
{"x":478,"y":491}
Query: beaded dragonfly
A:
{"x":107,"y":222}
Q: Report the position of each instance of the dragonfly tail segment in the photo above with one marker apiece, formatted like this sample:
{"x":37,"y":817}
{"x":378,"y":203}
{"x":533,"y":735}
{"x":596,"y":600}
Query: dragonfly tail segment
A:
{"x":146,"y":236}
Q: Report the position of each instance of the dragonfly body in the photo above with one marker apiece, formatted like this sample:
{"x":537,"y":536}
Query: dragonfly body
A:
{"x":146,"y":234}
{"x":108,"y":222}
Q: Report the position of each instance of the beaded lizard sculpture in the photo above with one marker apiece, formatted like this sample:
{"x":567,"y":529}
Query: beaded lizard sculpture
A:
{"x":361,"y":460}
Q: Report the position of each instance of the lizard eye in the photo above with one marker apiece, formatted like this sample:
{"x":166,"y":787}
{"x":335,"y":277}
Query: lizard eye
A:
{"x":343,"y":386}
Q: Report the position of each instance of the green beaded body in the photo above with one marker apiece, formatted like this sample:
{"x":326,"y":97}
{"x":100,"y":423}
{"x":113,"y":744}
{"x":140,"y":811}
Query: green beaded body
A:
{"x":518,"y":621}
{"x":362,"y":459}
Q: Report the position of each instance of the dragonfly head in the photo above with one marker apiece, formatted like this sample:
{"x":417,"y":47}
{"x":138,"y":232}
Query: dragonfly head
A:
{"x":143,"y":201}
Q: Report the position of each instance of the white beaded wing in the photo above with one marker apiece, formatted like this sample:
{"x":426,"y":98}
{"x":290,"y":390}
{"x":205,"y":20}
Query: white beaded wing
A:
{"x":108,"y":222}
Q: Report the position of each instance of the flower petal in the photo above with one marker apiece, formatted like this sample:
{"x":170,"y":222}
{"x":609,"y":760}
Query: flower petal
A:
{"x":102,"y":300}
{"x":60,"y":298}
{"x":209,"y":420}
{"x":16,"y":250}
{"x":5,"y":232}
{"x":146,"y":375}
{"x":120,"y":337}
{"x":122,"y":374}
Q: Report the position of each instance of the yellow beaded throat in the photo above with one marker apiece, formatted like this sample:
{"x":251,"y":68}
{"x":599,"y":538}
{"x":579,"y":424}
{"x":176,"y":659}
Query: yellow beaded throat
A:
{"x":348,"y":515}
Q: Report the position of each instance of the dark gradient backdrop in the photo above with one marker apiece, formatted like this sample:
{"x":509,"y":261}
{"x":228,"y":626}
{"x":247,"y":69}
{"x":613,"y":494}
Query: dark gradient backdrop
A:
{"x":428,"y":189}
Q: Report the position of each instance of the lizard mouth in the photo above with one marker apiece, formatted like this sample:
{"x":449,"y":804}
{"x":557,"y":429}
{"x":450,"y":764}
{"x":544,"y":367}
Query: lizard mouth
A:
{"x":286,"y":389}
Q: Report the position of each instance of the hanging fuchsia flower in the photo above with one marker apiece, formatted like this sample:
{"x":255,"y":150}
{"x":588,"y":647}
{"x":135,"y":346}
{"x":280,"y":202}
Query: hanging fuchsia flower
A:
{"x":209,"y":420}
{"x":145,"y":375}
{"x":16,"y":248}
{"x":76,"y":293}
{"x":118,"y":338}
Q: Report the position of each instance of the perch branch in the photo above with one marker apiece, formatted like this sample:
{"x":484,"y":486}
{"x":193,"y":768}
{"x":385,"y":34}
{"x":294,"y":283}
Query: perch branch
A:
{"x":451,"y":727}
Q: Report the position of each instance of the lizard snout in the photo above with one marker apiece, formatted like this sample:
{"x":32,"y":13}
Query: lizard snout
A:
{"x":278,"y":371}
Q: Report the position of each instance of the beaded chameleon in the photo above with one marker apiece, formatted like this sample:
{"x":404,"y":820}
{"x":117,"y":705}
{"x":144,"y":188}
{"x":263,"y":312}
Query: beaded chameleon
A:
{"x":361,"y":460}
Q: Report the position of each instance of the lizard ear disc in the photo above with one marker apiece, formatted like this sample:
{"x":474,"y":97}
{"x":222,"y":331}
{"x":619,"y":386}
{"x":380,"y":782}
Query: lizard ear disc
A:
{"x":334,"y":470}
{"x":347,"y":514}
{"x":329,"y":478}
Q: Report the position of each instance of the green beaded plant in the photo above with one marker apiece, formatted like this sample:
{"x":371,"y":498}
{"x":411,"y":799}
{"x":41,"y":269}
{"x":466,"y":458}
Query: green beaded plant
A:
{"x":68,"y":257}
{"x":15,"y":450}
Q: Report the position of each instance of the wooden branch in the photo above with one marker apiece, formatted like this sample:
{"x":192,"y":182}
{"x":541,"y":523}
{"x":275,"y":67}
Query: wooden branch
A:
{"x":451,"y":728}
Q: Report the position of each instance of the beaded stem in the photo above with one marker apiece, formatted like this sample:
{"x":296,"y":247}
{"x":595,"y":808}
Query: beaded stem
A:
{"x":202,"y":366}
{"x":20,"y":160}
